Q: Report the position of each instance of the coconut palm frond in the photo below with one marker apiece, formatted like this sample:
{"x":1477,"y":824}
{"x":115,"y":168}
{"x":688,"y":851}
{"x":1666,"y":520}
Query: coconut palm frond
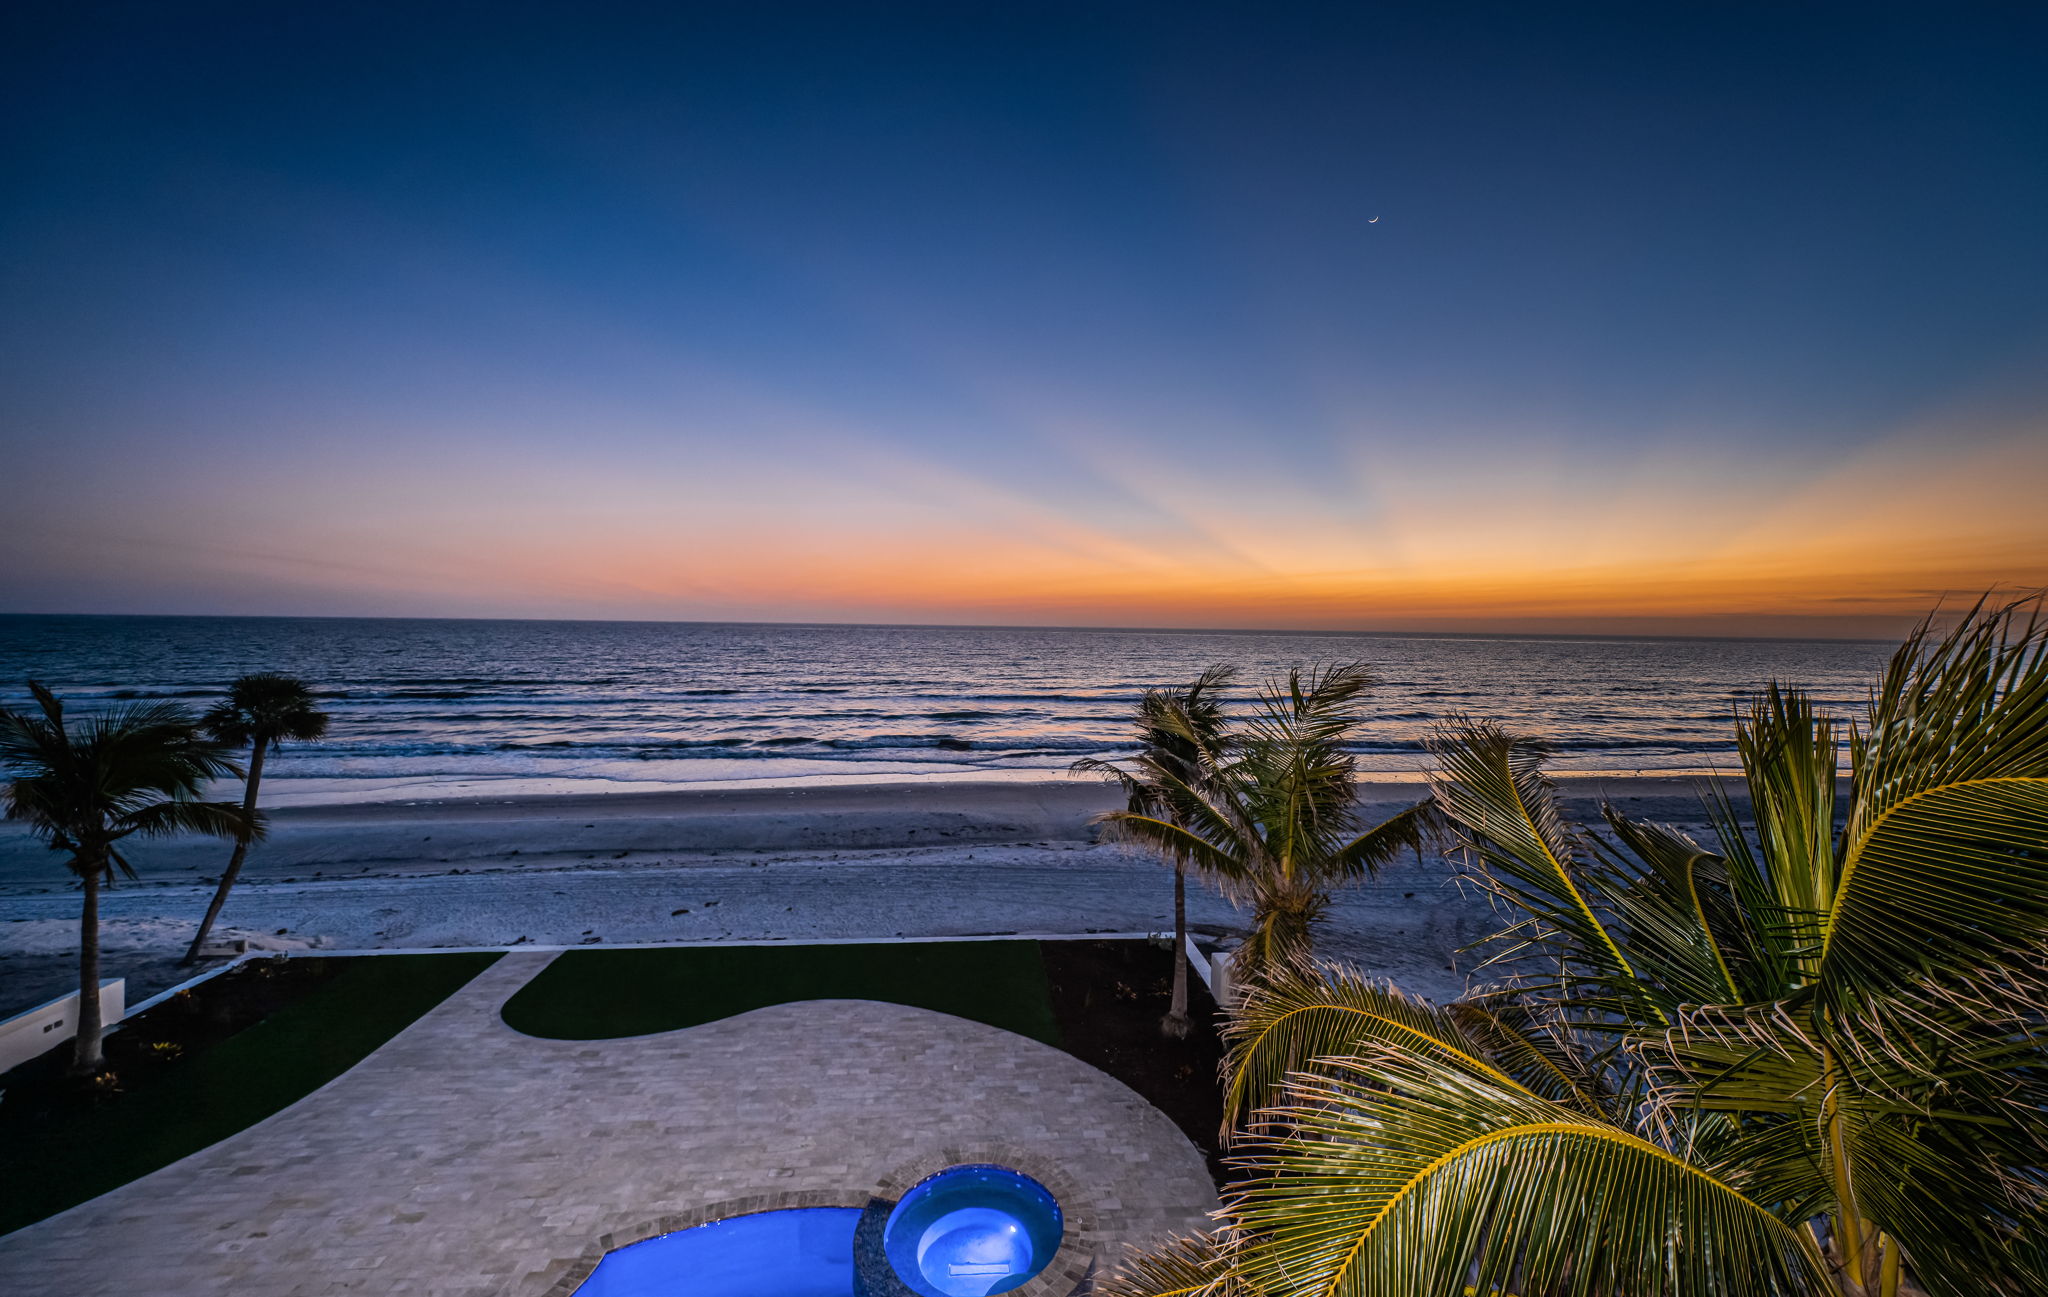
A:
{"x":1686,"y":928}
{"x":1776,"y":935}
{"x":1761,"y":1062}
{"x":1948,"y":837}
{"x":1110,"y":769}
{"x":265,"y":708}
{"x":1294,"y":776}
{"x":1407,"y":1176}
{"x":1789,"y":754}
{"x":1182,"y":1267}
{"x":1921,"y":1149}
{"x":1967,"y":1228}
{"x":1189,"y":721}
{"x":1300,"y":1011}
{"x":1412,"y":829}
{"x":27,"y":738}
{"x":1964,"y":869}
{"x":214,"y":819}
{"x":38,"y":802}
{"x":1173,"y":842}
{"x":1492,"y":788}
{"x":1534,"y":1048}
{"x":1954,"y":709}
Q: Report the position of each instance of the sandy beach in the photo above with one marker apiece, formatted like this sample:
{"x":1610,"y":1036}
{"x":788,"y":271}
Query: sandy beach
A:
{"x":747,"y":863}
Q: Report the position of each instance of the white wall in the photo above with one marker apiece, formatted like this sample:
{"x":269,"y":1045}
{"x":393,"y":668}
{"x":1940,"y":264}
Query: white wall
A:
{"x":46,"y":1026}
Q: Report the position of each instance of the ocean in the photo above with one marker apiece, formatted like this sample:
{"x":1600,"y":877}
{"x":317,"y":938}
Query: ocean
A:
{"x":428,"y":708}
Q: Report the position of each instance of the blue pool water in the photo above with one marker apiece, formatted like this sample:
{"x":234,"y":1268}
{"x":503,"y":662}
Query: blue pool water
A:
{"x":968,"y":1231}
{"x":972,"y":1230}
{"x":800,"y":1252}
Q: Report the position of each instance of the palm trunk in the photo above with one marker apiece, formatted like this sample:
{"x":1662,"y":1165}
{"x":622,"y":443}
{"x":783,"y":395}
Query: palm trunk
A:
{"x":228,"y":875}
{"x":1175,"y":1023}
{"x":86,"y":1058}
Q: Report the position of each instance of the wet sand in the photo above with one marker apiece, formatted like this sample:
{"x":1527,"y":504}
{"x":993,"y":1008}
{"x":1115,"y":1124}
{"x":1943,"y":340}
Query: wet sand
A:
{"x":944,"y":859}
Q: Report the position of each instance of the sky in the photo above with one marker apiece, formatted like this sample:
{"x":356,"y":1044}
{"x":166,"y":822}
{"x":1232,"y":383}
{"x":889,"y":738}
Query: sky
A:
{"x":1699,"y":319}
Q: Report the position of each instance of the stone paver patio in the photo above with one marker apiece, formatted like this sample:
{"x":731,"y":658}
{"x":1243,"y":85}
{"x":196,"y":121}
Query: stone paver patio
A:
{"x":465,"y":1158}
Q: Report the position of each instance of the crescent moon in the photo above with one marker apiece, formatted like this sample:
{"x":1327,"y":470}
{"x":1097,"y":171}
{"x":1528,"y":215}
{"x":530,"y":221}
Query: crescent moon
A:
{"x":1374,"y":221}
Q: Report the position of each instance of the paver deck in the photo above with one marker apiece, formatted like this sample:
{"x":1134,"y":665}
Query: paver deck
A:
{"x":465,"y":1158}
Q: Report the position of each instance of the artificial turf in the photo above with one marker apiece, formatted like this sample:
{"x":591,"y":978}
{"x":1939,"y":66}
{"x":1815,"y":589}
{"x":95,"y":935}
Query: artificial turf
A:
{"x":600,"y":994}
{"x":53,"y":1157}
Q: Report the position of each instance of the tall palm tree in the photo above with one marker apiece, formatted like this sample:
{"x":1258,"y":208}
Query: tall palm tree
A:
{"x":85,"y":787}
{"x":1269,"y":810}
{"x":1180,"y":733}
{"x":261,"y":711}
{"x":1806,"y":1061}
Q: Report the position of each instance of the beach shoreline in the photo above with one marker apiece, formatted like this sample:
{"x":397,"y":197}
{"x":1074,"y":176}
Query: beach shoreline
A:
{"x":735,"y":863}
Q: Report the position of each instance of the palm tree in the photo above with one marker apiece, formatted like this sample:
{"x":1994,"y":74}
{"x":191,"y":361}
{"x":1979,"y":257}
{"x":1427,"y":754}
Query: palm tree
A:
{"x":1809,"y":1061}
{"x":83,"y":788}
{"x":261,"y":711}
{"x":1178,"y":730}
{"x":1267,"y":809}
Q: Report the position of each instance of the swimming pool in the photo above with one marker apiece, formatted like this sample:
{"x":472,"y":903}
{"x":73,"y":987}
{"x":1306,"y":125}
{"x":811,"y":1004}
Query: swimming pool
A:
{"x":972,"y":1230}
{"x":968,"y":1231}
{"x":798,"y":1252}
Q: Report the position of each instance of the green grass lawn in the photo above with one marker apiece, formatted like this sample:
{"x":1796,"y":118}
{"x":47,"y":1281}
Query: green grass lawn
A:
{"x":599,"y":994}
{"x":55,"y":1159}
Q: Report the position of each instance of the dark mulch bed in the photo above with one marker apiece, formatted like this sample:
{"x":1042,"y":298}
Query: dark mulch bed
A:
{"x":149,"y":1043}
{"x":199,"y":1067}
{"x":1108,"y":998}
{"x":153,"y":1043}
{"x":600,"y":994}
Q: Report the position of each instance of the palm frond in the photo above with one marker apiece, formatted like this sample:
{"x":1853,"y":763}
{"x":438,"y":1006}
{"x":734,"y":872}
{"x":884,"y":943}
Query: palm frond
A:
{"x":1969,"y":1227}
{"x":1955,"y":709}
{"x":265,"y":707}
{"x":48,"y":703}
{"x":1789,"y":755}
{"x":1295,"y":776}
{"x":1947,"y":892}
{"x":214,"y":819}
{"x":1491,"y":786}
{"x":1942,"y":897}
{"x":1181,"y":1267}
{"x":1685,"y":929}
{"x":1174,"y":843}
{"x":1408,"y":830}
{"x":1776,"y":949}
{"x":1404,"y":1175}
{"x":82,"y":784}
{"x":1300,"y":1012}
{"x":1539,"y":1052}
{"x":1926,"y":1148}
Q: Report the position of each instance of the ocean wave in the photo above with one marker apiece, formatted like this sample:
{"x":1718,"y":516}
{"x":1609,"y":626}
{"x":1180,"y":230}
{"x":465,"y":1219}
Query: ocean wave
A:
{"x":438,"y":699}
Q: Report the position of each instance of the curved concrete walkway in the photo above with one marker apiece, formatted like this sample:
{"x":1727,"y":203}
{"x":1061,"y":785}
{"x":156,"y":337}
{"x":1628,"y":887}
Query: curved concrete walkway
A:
{"x":465,"y":1158}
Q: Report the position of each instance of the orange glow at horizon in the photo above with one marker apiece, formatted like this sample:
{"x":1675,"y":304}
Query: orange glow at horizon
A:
{"x":828,"y":527}
{"x":1863,"y":548}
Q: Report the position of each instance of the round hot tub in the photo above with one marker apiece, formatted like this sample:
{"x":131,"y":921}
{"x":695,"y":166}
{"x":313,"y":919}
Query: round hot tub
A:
{"x":972,"y":1230}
